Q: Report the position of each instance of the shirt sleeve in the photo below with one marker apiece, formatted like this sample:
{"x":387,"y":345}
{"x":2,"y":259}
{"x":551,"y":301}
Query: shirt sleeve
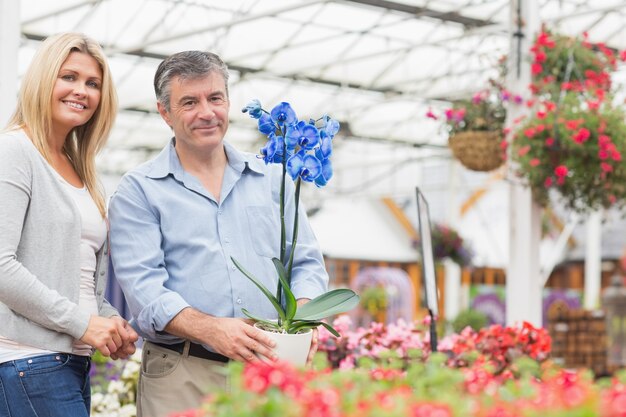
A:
{"x":21,"y":290}
{"x":309,"y":278}
{"x":138,"y":259}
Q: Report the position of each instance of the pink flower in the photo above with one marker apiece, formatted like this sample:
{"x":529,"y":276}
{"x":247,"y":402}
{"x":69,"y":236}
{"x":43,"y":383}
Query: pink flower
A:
{"x":477,"y":98}
{"x":530,"y":132}
{"x":548,"y":182}
{"x":459,"y":115}
{"x":431,"y":115}
{"x":523,"y":150}
{"x":534,"y":162}
{"x":549,"y":141}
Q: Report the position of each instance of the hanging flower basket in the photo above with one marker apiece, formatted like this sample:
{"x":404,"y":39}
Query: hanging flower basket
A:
{"x":575,"y":152}
{"x":475,"y":127}
{"x":573,"y":143}
{"x":477,"y":150}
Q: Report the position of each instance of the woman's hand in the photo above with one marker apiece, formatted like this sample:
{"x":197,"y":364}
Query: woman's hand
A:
{"x":128,"y":344}
{"x":104,"y":334}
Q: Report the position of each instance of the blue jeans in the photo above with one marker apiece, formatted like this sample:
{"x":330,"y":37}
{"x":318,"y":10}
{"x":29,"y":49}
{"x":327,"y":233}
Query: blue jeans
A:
{"x":55,"y":385}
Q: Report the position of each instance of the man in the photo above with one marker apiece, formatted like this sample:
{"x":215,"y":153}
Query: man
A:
{"x":175,"y":223}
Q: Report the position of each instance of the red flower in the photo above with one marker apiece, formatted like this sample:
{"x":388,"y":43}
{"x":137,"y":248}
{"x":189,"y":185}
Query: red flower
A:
{"x":560,"y":171}
{"x":543,"y":39}
{"x":581,"y":136}
{"x":549,"y":141}
{"x":534,"y":162}
{"x":606,"y":167}
{"x":536,"y":68}
{"x":573,"y":124}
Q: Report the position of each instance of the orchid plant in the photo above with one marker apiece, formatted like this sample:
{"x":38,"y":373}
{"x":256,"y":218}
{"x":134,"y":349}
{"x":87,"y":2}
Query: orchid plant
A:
{"x":303,"y":149}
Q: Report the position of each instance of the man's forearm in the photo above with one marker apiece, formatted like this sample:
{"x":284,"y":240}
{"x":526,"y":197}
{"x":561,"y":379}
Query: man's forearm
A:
{"x":191,"y":324}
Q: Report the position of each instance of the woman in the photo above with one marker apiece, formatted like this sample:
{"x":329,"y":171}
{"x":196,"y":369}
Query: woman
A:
{"x":53,"y":252}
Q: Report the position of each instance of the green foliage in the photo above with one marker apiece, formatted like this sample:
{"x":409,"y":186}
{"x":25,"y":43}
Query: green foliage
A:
{"x":472,"y":318}
{"x":374,"y":299}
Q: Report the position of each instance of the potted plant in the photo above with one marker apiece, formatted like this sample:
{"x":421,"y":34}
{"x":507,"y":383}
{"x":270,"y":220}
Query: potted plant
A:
{"x":568,"y":63}
{"x":475,"y":128}
{"x":448,"y":243}
{"x":574,"y":139}
{"x":303,"y":149}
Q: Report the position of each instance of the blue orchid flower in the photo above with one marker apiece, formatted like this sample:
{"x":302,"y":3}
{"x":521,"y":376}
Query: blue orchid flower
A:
{"x":326,"y":174}
{"x":304,"y":165}
{"x":303,"y":134}
{"x":266,"y":125}
{"x":283,"y":114}
{"x":332,"y":127}
{"x":253,"y":109}
{"x":326,"y":146}
{"x":272,"y":152}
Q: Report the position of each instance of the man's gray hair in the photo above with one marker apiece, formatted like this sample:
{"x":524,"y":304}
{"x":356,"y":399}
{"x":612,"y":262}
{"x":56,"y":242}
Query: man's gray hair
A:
{"x":187,"y":65}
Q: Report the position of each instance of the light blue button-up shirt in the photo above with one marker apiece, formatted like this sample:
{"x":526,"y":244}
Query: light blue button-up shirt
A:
{"x":172,"y":242}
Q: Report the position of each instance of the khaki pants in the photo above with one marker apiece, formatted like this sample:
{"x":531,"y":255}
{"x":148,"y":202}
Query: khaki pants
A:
{"x":171,"y":382}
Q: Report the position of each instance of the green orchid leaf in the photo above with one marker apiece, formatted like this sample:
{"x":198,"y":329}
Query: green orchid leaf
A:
{"x":330,"y":329}
{"x":301,"y":325}
{"x":297,"y":326}
{"x":328,"y":304}
{"x":264,"y":290}
{"x":291,"y":305}
{"x":271,"y":324}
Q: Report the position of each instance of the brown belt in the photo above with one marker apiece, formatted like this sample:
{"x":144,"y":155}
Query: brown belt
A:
{"x":195,"y":350}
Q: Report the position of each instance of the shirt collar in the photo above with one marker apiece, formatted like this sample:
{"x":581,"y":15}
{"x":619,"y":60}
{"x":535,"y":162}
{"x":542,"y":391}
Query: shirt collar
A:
{"x":167,"y":162}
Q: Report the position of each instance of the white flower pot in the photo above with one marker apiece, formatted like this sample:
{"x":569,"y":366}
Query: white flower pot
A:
{"x":293,"y":348}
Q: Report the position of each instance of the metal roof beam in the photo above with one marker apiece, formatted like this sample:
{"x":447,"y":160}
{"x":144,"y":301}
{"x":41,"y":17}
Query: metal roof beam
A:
{"x":60,"y":11}
{"x":453,"y":17}
{"x":234,"y":22}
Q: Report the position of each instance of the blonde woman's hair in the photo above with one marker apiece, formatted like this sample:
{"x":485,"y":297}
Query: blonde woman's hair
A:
{"x":34,"y":107}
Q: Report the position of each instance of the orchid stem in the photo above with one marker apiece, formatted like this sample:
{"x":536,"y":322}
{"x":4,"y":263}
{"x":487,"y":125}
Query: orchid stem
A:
{"x":283,"y":233}
{"x":295,"y":230}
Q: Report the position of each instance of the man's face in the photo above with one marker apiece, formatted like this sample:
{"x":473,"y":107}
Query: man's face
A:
{"x":198,"y":111}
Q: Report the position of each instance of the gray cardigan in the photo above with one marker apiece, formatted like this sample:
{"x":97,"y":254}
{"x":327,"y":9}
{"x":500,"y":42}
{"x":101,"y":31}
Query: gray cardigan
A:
{"x":40,"y":232}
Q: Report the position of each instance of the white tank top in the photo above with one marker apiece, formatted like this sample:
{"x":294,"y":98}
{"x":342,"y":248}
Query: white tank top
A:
{"x":93,"y":234}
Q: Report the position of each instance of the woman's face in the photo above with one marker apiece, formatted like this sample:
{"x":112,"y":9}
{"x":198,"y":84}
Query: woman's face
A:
{"x":76,"y":92}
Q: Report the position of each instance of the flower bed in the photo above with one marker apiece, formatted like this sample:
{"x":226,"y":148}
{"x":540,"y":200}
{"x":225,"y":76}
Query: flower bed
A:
{"x":390,"y":371}
{"x":422,"y":390}
{"x":402,"y":343}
